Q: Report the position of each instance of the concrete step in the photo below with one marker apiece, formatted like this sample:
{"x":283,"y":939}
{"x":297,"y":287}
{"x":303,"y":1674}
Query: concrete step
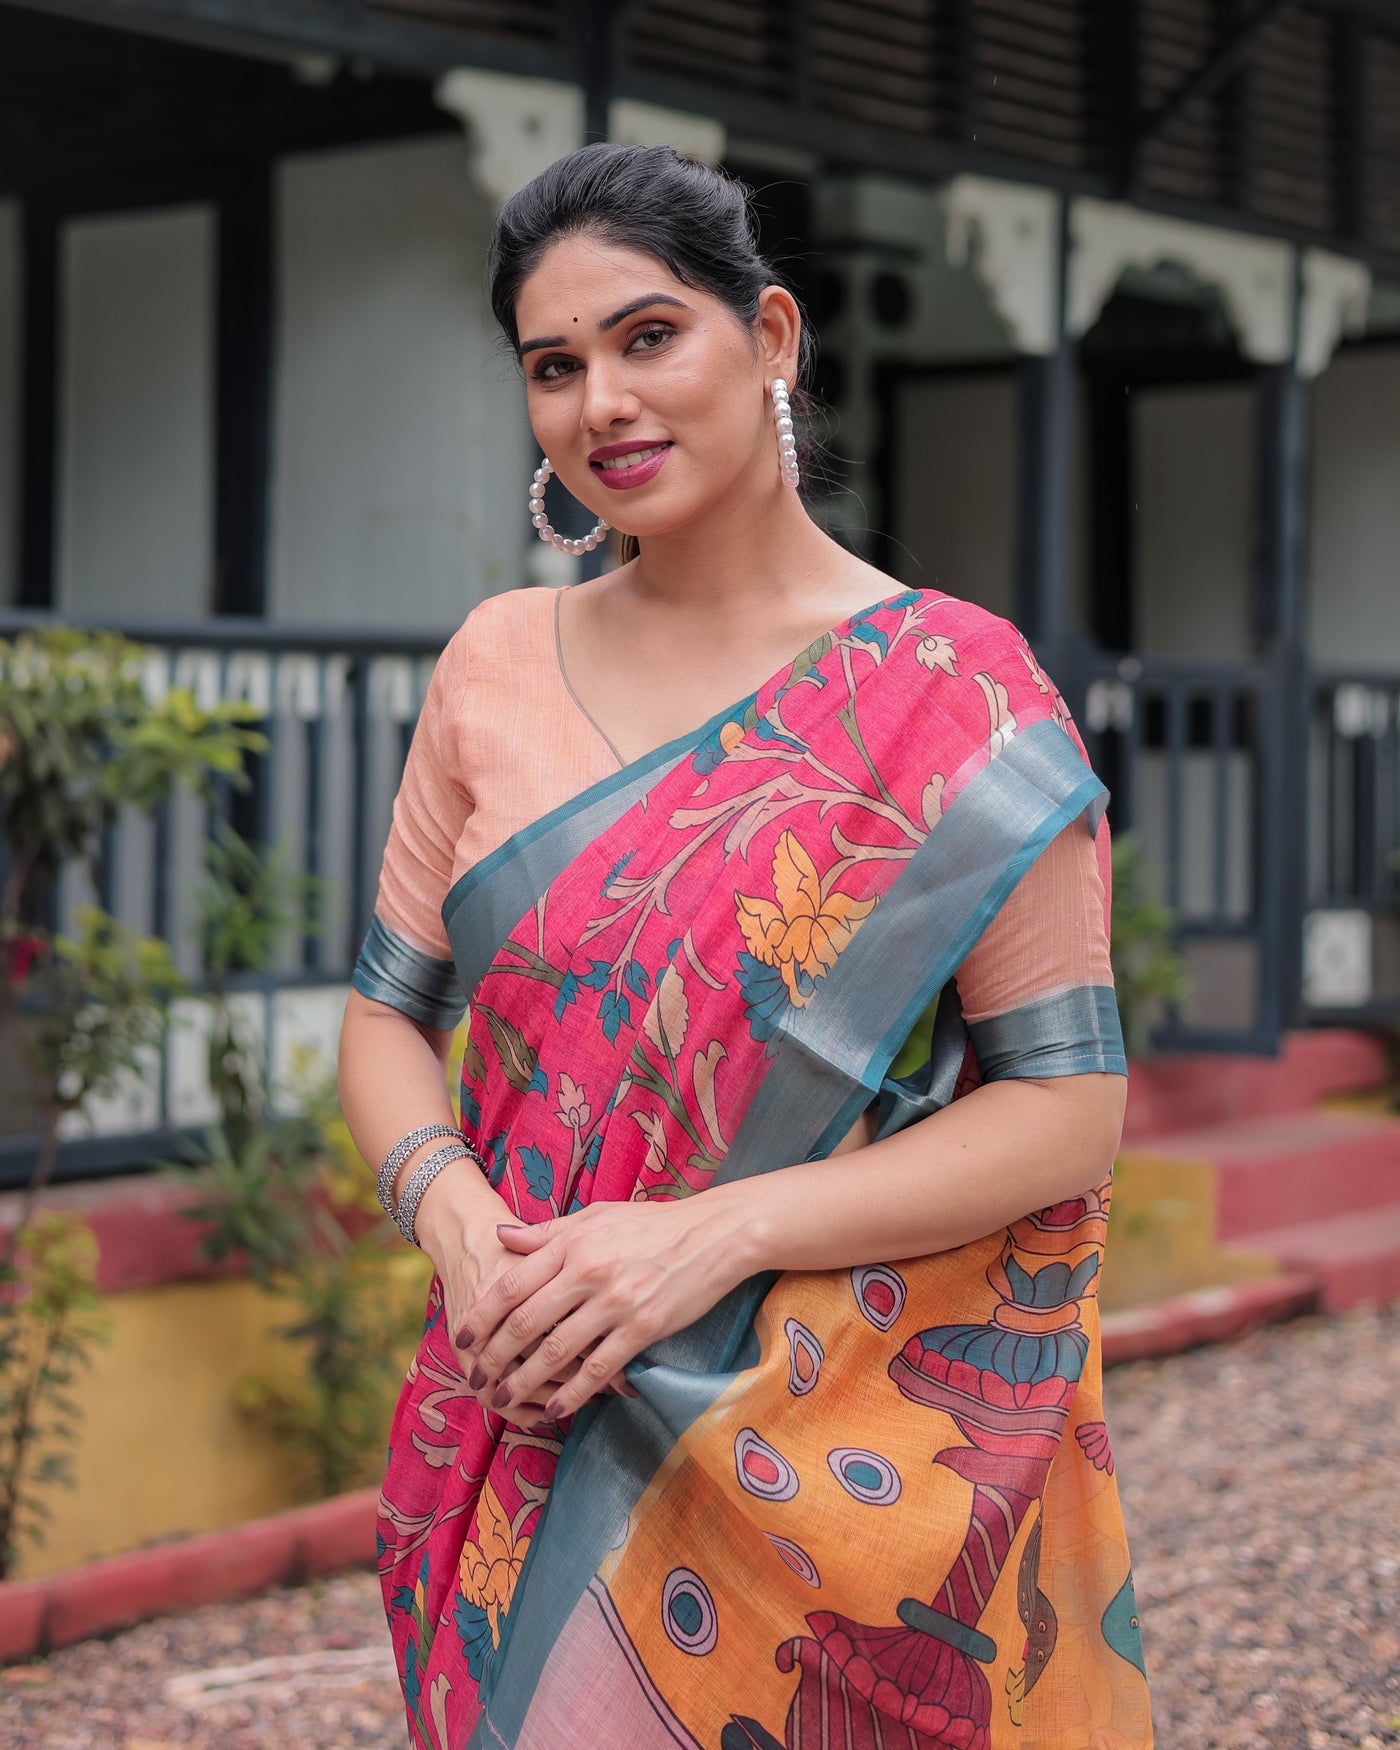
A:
{"x":1173,"y":1093}
{"x":1205,"y":1315}
{"x":1277,"y":1171}
{"x":1354,"y":1258}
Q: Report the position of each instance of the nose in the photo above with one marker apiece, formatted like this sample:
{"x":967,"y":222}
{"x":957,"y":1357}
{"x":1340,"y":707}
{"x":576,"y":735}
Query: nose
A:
{"x":606,"y":399}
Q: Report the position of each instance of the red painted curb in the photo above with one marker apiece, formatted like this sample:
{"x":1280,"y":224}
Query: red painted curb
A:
{"x":286,"y":1549}
{"x":1208,"y":1315}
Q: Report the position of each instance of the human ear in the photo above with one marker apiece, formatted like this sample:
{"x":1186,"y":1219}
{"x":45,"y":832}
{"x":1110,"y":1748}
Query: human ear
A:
{"x":779,"y":332}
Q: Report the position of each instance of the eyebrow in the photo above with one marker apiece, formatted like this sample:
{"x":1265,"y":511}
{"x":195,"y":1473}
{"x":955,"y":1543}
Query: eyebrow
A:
{"x":607,"y":322}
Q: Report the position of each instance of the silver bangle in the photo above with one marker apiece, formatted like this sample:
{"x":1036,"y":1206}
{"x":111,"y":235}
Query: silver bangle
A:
{"x":399,"y":1153}
{"x":423,"y":1176}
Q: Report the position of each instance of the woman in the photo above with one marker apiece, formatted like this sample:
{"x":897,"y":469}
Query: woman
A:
{"x":815,"y":1458}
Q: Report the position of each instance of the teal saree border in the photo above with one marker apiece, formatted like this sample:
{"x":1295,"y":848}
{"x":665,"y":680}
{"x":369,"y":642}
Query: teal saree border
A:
{"x":1007,"y":815}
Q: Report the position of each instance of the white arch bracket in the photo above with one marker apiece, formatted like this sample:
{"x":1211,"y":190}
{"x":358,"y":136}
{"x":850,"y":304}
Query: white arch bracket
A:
{"x":517,"y":126}
{"x":1336,"y":296}
{"x":1008,"y":232}
{"x":1254,"y":275}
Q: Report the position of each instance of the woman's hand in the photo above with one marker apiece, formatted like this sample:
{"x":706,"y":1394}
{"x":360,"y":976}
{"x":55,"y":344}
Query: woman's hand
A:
{"x":589,"y":1291}
{"x":457,"y":1225}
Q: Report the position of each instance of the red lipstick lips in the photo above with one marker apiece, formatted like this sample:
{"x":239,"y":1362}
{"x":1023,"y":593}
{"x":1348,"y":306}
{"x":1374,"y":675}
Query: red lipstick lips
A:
{"x":620,"y":466}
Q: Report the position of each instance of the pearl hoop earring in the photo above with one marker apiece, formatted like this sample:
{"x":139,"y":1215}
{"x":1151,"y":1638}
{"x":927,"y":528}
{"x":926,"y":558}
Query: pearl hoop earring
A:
{"x":782,"y":424}
{"x":546,"y":530}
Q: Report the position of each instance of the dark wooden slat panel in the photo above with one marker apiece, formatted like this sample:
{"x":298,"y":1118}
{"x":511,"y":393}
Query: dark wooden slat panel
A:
{"x":1290,"y":99}
{"x":879,"y":64}
{"x":528,"y":20}
{"x":716,"y":42}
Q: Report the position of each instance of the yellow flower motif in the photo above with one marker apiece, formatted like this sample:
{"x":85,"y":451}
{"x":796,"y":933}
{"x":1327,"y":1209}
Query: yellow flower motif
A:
{"x":804,"y":932}
{"x":490,"y":1568}
{"x":936,"y":651}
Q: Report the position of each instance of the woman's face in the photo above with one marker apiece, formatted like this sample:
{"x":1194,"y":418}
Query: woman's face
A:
{"x":648,"y":396}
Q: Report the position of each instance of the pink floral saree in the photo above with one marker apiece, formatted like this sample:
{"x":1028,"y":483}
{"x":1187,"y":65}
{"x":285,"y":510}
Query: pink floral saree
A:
{"x":857,"y":1509}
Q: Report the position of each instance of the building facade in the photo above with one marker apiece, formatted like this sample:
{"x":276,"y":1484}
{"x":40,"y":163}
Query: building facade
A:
{"x":1108,"y":295}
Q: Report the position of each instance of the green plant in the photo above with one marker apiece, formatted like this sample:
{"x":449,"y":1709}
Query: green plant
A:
{"x":248,"y":897}
{"x":80,"y":741}
{"x":349,"y":1334}
{"x":280,"y":1184}
{"x":53,"y":1320}
{"x":1148,"y":971}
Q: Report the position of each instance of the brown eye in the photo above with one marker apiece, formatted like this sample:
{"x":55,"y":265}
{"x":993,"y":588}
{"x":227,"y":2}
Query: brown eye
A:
{"x":552,"y":370}
{"x":649,"y":339}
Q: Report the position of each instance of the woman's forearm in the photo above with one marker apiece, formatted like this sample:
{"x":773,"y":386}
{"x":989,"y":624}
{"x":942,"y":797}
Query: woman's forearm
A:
{"x":393,"y":1080}
{"x":1006,"y":1149}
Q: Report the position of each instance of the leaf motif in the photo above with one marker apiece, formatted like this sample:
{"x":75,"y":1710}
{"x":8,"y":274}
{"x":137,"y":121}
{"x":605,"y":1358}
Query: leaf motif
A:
{"x":517,"y":1058}
{"x":438,"y":1691}
{"x":1001,"y":722}
{"x":568,"y":993}
{"x":473,"y":1064}
{"x":937,"y":652}
{"x":669,"y":1016}
{"x":795,"y":883}
{"x":652,"y":1128}
{"x":931,"y":802}
{"x":538,"y":1169}
{"x":703,"y":1074}
{"x":615,"y":1012}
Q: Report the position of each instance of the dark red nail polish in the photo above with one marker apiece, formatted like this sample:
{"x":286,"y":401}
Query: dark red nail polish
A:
{"x":466,"y":1337}
{"x":477,"y":1377}
{"x":501,"y":1397}
{"x":553,"y":1410}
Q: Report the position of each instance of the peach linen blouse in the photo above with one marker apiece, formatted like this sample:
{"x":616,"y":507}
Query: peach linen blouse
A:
{"x":503,"y":739}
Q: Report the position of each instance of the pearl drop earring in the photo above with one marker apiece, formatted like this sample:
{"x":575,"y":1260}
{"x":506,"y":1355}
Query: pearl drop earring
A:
{"x":782,"y":423}
{"x":546,"y":530}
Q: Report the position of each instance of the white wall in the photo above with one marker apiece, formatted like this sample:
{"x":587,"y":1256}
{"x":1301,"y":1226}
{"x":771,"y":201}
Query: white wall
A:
{"x":10,"y":268}
{"x":955,"y":487}
{"x":136,"y":414}
{"x":401,"y":450}
{"x":1193,"y":513}
{"x":1354,"y":563}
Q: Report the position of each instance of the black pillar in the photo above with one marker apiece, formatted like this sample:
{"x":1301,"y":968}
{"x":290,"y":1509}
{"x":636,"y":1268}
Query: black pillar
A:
{"x":243,"y":376}
{"x":1280,"y":575}
{"x":39,"y":360}
{"x":1046,"y":434}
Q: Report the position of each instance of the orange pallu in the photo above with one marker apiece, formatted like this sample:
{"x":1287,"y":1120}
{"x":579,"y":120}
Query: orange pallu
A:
{"x":859,"y":1510}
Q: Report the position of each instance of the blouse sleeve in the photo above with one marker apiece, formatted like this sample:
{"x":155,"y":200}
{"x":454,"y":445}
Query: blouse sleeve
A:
{"x":406,"y":961}
{"x":1037,"y":988}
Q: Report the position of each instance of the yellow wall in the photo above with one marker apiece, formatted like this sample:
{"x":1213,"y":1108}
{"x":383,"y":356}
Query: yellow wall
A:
{"x":162,"y":1451}
{"x":1162,"y":1233}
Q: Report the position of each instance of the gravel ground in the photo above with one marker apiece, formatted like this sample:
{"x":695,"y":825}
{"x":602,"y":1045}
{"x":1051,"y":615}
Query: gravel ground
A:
{"x":1262,"y":1488}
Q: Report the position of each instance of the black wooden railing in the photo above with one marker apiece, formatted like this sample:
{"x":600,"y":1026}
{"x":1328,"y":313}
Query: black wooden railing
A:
{"x":1229,"y":779}
{"x":338,"y":711}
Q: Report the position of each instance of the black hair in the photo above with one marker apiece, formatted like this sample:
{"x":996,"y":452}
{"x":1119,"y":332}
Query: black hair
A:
{"x":694,"y":218}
